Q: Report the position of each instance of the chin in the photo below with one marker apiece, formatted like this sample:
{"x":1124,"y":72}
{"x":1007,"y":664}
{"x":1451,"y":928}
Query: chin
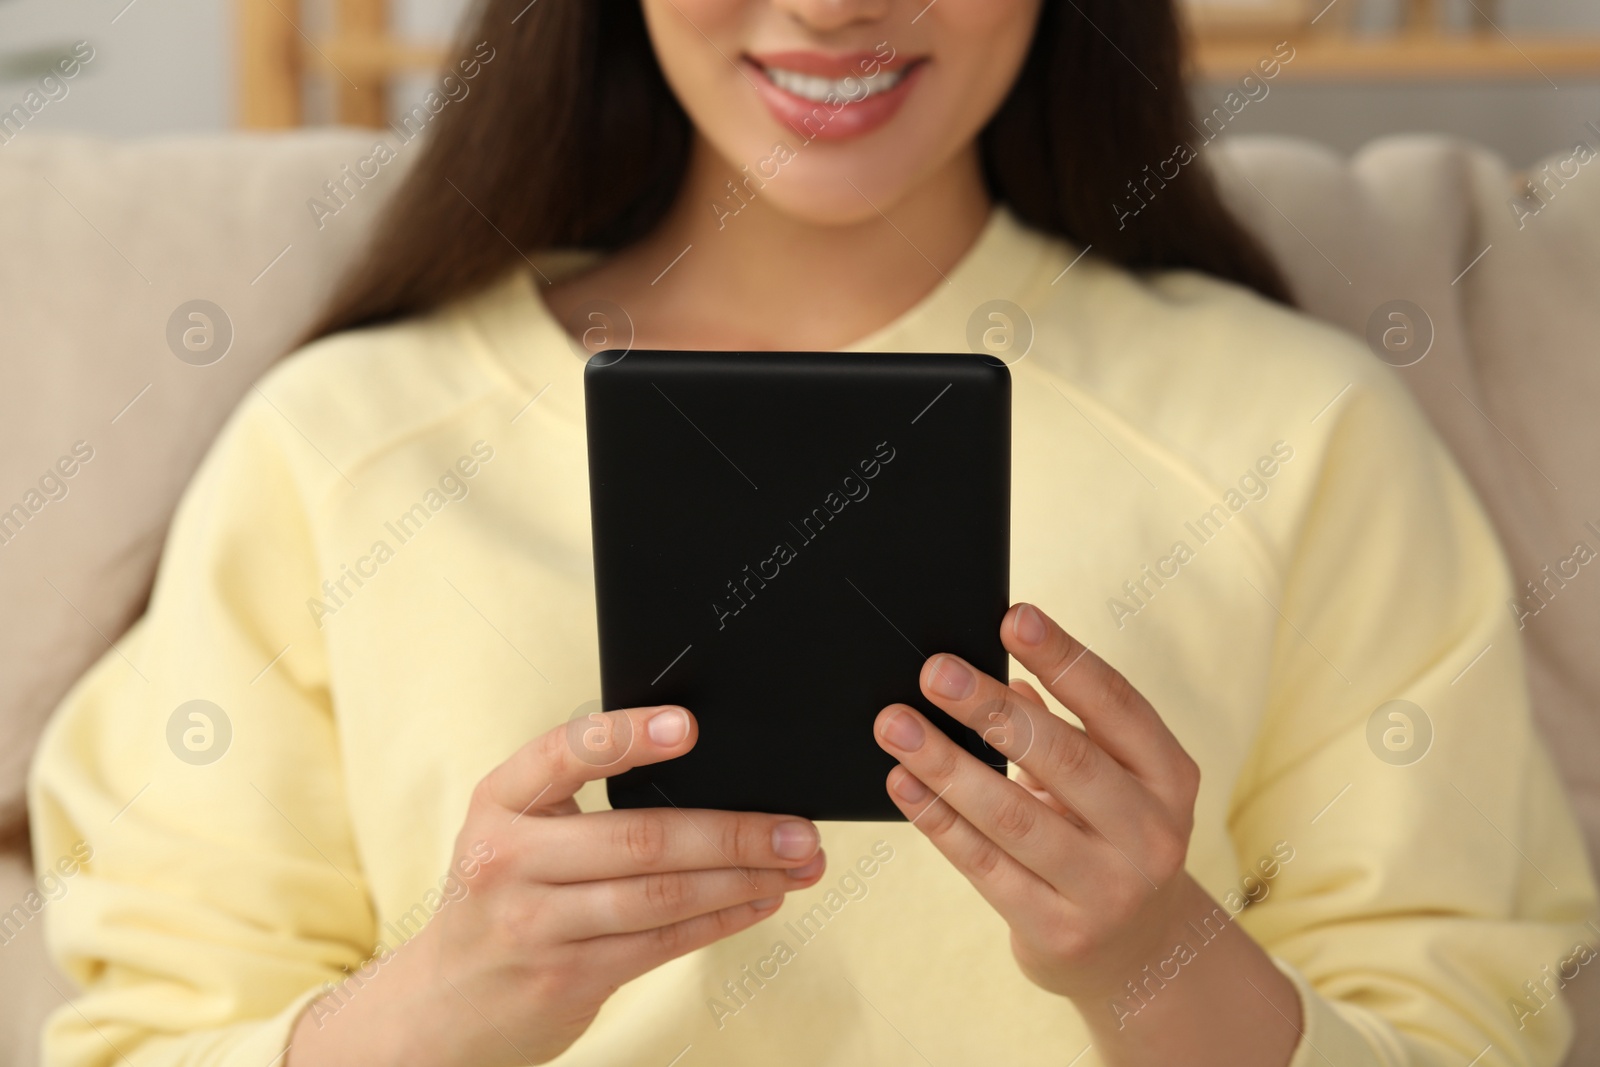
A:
{"x":827,"y":198}
{"x":819,"y":182}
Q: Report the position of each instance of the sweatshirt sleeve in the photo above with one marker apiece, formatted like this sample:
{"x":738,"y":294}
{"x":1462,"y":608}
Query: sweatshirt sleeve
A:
{"x":1437,"y":885}
{"x":195,"y":771}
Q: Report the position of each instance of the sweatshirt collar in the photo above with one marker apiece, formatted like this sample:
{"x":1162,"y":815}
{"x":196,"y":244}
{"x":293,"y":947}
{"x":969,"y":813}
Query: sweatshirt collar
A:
{"x":1005,"y":262}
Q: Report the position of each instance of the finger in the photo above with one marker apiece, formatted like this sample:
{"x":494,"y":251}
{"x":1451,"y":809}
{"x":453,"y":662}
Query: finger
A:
{"x":1000,"y":810}
{"x":644,"y":902}
{"x":630,"y":955}
{"x":1059,"y":755}
{"x":1047,"y":798}
{"x":1115,"y":714}
{"x":1028,"y":692}
{"x":620,"y":844}
{"x":549,"y":769}
{"x":1032,"y":699}
{"x":1016,"y":893}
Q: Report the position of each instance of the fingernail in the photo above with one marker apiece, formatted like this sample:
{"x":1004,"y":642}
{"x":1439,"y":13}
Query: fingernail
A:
{"x":766,"y":903}
{"x":668,"y":727}
{"x":902,"y":731}
{"x":1029,"y":625}
{"x":951,"y":678}
{"x":808,"y":870}
{"x":794,"y":840}
{"x":910,"y":787}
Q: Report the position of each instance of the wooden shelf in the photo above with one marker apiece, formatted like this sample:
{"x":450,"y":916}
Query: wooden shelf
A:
{"x":1407,"y":57}
{"x":360,"y":59}
{"x":362,"y":101}
{"x":1326,"y":57}
{"x":374,"y":56}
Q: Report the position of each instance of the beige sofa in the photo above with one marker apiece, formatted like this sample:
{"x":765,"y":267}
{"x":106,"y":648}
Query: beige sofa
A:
{"x":102,"y":243}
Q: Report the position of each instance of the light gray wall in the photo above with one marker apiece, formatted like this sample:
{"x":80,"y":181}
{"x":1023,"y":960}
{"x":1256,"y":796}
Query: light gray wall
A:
{"x":1522,"y":121}
{"x":160,"y":66}
{"x":166,"y":66}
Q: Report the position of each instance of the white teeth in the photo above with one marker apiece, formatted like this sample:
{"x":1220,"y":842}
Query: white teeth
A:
{"x":824,"y":90}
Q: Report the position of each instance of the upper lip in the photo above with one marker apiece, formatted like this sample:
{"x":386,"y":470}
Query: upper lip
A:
{"x":832,"y":65}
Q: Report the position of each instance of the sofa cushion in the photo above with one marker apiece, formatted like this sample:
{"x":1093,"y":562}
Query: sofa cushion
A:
{"x":101,"y":423}
{"x":30,"y":986}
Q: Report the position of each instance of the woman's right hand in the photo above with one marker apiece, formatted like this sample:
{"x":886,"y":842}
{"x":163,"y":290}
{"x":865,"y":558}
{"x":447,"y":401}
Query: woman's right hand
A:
{"x":568,"y":906}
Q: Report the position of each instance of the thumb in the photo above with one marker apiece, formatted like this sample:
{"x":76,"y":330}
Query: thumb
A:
{"x":552,"y":767}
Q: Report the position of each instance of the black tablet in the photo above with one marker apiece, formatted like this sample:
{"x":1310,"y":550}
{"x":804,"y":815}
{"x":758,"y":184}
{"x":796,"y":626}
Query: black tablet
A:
{"x":780,"y":540}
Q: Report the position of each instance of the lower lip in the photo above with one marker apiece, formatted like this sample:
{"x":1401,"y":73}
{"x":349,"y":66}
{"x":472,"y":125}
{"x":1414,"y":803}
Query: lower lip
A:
{"x":814,"y":120}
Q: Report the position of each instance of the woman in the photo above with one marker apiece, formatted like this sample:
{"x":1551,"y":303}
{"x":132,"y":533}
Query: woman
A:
{"x":377,"y":845}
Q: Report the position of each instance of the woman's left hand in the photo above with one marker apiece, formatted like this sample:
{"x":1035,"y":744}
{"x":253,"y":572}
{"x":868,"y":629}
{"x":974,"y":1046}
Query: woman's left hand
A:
{"x":1083,"y":853}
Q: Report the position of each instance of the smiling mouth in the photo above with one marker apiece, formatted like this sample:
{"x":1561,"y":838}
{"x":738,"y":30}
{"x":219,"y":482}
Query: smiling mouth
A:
{"x":820,"y":90}
{"x":834,"y":97}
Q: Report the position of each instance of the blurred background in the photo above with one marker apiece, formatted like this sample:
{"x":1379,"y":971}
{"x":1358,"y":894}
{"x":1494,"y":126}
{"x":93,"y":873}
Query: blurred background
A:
{"x":127,"y":241}
{"x":1521,"y":77}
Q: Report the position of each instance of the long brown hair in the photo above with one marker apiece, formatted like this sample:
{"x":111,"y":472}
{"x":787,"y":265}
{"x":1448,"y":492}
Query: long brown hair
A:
{"x":573,"y":139}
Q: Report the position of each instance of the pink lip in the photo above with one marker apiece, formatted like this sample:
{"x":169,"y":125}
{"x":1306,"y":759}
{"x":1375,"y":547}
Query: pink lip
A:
{"x":813,"y":120}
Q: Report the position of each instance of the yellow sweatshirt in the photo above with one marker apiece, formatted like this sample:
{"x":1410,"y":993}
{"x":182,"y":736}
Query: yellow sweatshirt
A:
{"x":379,"y":585}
